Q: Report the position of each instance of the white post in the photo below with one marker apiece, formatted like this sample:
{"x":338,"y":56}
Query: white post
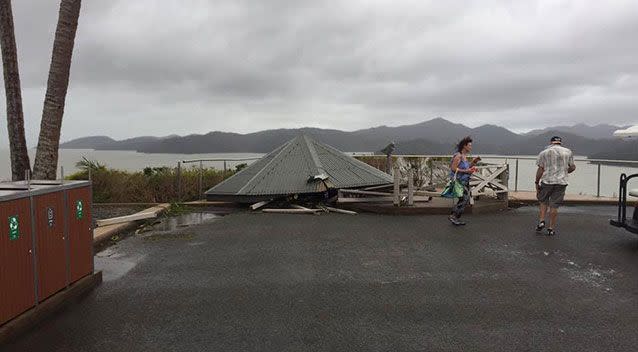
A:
{"x":410,"y":187}
{"x":397,"y":189}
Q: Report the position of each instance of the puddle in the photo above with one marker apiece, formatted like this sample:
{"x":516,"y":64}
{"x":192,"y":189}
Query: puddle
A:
{"x":112,"y":268}
{"x":184,"y":220}
{"x":115,"y":264}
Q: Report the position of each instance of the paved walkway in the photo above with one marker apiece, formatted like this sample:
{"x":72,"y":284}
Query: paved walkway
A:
{"x":269,"y":282}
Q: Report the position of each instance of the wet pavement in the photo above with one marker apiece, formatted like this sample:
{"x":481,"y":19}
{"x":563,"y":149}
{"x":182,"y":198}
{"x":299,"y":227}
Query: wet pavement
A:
{"x":272,"y":282}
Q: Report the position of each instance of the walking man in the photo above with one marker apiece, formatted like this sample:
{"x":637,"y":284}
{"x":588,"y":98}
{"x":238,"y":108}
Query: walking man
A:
{"x":554,"y":164}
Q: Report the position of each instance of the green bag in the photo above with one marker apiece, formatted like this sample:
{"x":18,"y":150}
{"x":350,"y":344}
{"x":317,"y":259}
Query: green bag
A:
{"x":453,"y":189}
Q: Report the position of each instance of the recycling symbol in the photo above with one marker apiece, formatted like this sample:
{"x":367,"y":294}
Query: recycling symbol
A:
{"x":79,"y":209}
{"x":14,"y":232}
{"x":13,"y":224}
{"x":50,"y":217}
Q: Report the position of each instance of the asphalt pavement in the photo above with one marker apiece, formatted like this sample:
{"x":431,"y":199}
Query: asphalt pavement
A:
{"x":273,"y":282}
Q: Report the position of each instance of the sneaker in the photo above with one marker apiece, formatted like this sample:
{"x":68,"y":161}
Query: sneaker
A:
{"x":540,"y":226}
{"x":550,"y":232}
{"x":454,"y":220}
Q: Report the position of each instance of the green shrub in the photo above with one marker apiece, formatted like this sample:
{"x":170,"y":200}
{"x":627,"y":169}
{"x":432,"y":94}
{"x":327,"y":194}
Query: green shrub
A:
{"x":152,"y":185}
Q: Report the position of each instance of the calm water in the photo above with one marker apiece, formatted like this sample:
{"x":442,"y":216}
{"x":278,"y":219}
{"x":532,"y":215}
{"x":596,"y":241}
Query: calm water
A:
{"x":126,"y":160}
{"x":583,"y":181}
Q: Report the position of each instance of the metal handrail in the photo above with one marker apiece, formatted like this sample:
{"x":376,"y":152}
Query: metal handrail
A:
{"x":514,"y":157}
{"x":632,"y":163}
{"x":202,"y":160}
{"x":201,"y":172}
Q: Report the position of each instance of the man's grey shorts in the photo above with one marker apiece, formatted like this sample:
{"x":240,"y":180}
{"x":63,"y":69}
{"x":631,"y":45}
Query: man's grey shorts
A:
{"x":552,"y":195}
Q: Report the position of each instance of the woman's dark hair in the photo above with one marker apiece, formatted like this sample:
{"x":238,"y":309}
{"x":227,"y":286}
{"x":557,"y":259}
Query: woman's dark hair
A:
{"x":465,"y":141}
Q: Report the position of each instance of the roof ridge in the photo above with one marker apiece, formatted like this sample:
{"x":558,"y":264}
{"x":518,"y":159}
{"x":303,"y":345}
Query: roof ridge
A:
{"x":315,"y":157}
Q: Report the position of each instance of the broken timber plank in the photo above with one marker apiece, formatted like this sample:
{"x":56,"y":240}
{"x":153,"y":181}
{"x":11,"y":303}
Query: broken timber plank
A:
{"x":127,"y":218}
{"x":342,"y":211}
{"x":291,"y":211}
{"x":296,"y":206}
{"x":369,"y":193}
{"x":378,"y":199}
{"x":373,"y":188}
{"x":259,"y":205}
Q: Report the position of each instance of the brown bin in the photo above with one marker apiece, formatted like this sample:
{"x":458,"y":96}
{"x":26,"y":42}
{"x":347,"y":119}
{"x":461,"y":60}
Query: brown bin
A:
{"x":17,"y":282}
{"x":51,"y":245}
{"x":80,"y":232}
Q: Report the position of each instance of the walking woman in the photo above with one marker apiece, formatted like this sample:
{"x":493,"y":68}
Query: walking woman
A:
{"x":462,"y":169}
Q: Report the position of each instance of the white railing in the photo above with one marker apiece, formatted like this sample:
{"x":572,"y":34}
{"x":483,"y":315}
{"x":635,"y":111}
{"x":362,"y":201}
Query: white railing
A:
{"x":515,"y":160}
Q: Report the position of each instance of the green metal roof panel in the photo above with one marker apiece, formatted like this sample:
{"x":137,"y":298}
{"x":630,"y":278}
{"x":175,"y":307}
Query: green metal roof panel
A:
{"x":289,"y":169}
{"x":232,"y":184}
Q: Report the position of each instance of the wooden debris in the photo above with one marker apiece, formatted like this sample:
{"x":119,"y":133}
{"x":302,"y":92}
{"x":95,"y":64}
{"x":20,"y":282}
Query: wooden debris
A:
{"x":296,"y":206}
{"x":341,"y":211}
{"x":379,"y":199}
{"x":373,"y":188}
{"x":367,"y":193}
{"x":291,"y":211}
{"x":259,"y":205}
{"x":127,"y":218}
{"x":365,"y":200}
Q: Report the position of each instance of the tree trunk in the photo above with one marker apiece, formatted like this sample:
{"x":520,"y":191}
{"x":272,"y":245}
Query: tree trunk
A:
{"x":15,"y":117}
{"x":46,"y":158}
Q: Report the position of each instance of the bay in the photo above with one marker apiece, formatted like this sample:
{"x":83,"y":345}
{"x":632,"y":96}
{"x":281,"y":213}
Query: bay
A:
{"x":127,"y":160}
{"x":583,"y":181}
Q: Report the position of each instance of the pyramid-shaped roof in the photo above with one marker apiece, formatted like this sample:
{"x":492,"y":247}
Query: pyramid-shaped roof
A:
{"x":301,"y":166}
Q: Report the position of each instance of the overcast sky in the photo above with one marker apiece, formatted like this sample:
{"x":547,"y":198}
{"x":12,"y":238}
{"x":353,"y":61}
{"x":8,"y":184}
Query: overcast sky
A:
{"x":149,"y":67}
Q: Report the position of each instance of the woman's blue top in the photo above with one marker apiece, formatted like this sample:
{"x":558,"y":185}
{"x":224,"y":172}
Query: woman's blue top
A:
{"x":463,"y":164}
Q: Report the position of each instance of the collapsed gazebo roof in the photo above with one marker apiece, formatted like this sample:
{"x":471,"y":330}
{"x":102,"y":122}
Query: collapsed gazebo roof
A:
{"x":301,"y":166}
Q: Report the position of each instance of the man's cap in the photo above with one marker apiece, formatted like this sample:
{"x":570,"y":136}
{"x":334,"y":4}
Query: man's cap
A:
{"x":556,"y":139}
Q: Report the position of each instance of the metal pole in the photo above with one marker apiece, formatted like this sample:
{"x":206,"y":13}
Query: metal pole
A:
{"x":516,"y":178}
{"x":90,"y":172}
{"x":598,"y":189}
{"x":62,"y":173}
{"x":179,"y":181}
{"x":27,"y":177}
{"x":201,"y":178}
{"x":224,"y":174}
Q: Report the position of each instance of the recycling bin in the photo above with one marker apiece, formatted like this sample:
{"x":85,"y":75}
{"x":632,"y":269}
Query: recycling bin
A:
{"x":63,"y":229}
{"x":80,"y":231}
{"x":17,"y":278}
{"x":51,"y":240}
{"x":46,"y":242}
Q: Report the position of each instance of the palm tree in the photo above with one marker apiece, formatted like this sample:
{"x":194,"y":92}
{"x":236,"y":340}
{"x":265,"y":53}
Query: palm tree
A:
{"x":46,"y":158}
{"x":15,"y":117}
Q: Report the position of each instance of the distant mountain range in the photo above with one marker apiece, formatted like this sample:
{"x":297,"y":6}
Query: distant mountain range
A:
{"x":437,"y":136}
{"x":602,"y":131}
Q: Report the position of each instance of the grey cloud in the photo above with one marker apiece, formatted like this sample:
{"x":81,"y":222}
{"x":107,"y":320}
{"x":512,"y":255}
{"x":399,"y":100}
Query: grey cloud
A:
{"x":148,"y":67}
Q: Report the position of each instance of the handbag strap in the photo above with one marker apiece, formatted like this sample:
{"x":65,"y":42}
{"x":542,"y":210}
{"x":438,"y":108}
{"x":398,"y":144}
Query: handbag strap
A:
{"x":457,"y":167}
